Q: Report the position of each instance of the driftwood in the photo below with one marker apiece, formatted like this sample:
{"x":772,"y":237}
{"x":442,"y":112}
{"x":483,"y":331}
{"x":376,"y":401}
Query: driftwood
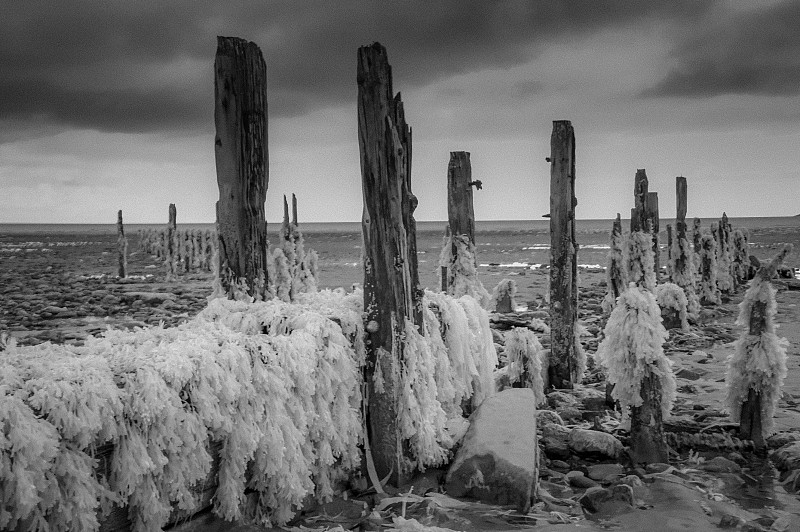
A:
{"x":563,"y":370}
{"x":242,"y":162}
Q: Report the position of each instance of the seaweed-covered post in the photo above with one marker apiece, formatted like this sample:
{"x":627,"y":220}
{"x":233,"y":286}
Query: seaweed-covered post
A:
{"x":458,"y":253}
{"x":707,"y":288}
{"x":242,"y":162}
{"x":682,"y":257}
{"x":122,"y":247}
{"x":723,"y":236}
{"x":633,"y":355}
{"x":565,"y":365}
{"x":616,"y":274}
{"x":758,"y":366}
{"x":392,"y":297}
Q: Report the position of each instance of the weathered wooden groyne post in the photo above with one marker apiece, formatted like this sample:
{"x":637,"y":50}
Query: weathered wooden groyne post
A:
{"x":122,"y":248}
{"x":460,"y":210}
{"x":644,"y":215}
{"x":242,"y":162}
{"x":171,"y":244}
{"x":458,"y":258}
{"x":758,"y":366}
{"x":616,"y":273}
{"x":653,"y":227}
{"x":392,"y":296}
{"x":683,"y":269}
{"x":565,"y":367}
{"x":725,"y":280}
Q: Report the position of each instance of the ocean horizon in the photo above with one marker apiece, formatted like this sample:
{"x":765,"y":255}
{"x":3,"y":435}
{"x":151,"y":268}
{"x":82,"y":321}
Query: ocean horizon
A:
{"x":593,"y":225}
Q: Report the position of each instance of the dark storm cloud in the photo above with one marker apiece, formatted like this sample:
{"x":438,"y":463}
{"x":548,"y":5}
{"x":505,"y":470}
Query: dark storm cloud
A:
{"x":147,"y":66}
{"x":756,"y":53}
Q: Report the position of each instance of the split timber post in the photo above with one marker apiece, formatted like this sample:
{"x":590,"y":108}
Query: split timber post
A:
{"x":392,"y":296}
{"x":242,"y":161}
{"x":563,"y":370}
{"x":122,"y":247}
{"x":460,"y":210}
{"x":172,"y":226}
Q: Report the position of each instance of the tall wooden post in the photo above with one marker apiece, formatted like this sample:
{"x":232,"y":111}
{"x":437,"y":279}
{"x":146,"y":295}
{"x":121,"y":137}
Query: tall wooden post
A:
{"x":242,"y":161}
{"x":392,"y":296}
{"x":287,"y":230}
{"x":653,"y":227}
{"x":639,"y":211}
{"x":122,"y":247}
{"x":172,"y":248}
{"x":563,"y":370}
{"x":460,"y":211}
{"x":670,"y":255}
{"x":680,"y":222}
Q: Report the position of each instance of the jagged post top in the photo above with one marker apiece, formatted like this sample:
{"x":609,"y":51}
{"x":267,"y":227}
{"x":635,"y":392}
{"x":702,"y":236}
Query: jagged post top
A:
{"x":373,"y":68}
{"x":236,"y":45}
{"x":767,"y":272}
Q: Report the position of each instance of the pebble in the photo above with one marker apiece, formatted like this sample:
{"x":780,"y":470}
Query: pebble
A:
{"x":578,"y":480}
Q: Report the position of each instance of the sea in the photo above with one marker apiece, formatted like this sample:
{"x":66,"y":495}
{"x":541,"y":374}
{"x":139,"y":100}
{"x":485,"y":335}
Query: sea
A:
{"x":505,"y":248}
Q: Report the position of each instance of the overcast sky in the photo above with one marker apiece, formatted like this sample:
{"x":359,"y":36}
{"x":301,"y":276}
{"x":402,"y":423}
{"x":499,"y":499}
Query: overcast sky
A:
{"x":108,"y":105}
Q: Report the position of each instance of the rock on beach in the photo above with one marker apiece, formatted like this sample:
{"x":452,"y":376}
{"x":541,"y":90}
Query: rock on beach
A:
{"x":498,"y":460}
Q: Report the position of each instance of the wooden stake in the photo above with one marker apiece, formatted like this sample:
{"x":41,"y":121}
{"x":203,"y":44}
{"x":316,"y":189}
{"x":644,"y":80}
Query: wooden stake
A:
{"x":616,"y":269}
{"x":460,"y":212}
{"x":392,"y":295}
{"x":122,"y":247}
{"x":647,"y":442}
{"x":287,"y":231}
{"x":563,"y":257}
{"x":639,"y":211}
{"x":750,"y":422}
{"x":652,"y":227}
{"x":670,"y":255}
{"x":242,"y":161}
{"x":172,"y":251}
